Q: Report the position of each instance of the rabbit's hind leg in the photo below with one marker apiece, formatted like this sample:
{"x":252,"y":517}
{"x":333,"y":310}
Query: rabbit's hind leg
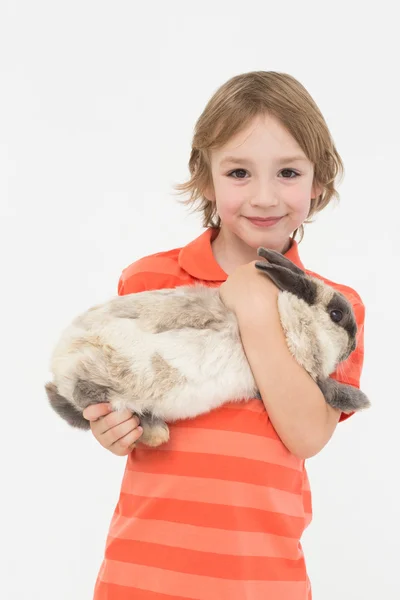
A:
{"x":155,"y":431}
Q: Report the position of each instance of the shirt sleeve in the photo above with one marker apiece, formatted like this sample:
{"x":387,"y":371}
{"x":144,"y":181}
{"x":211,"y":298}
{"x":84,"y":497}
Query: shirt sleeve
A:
{"x":142,"y":281}
{"x":133,"y":285}
{"x":349,"y":371}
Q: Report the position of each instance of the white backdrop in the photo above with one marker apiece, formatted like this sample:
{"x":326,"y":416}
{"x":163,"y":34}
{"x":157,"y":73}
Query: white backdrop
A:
{"x":98,"y":101}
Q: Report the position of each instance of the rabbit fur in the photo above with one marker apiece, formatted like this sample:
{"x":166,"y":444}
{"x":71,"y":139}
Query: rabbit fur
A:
{"x":174,"y":354}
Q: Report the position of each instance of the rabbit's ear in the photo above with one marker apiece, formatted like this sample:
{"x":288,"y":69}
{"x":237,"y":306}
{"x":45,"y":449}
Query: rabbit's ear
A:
{"x":276,"y":258}
{"x":289,"y":281}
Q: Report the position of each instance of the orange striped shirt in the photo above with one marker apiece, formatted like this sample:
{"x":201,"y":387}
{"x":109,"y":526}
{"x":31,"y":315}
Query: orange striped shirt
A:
{"x":217,"y":513}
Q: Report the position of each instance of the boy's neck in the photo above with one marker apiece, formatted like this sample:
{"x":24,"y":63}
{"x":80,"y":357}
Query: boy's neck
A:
{"x":230,"y":252}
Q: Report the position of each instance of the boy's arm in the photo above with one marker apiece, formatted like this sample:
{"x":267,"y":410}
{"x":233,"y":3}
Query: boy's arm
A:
{"x":294,"y":402}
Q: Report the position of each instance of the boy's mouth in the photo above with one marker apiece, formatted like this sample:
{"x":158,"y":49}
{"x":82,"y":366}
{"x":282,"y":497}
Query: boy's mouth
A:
{"x":264,"y":221}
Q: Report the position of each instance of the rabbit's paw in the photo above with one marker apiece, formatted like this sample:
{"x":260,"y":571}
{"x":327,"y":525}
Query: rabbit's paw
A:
{"x":155,"y":431}
{"x":344,"y":397}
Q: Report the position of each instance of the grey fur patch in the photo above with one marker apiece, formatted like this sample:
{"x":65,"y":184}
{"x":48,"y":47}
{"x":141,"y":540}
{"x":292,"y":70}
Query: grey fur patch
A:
{"x":193,"y":314}
{"x":65,"y":409}
{"x":108,"y":364}
{"x":87,"y":393}
{"x":197,"y":308}
{"x":167,"y":377}
{"x":343,"y":397}
{"x":126,"y":309}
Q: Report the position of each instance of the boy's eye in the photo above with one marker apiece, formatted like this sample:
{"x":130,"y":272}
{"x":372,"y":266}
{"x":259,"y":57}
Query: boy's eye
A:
{"x":240,"y":171}
{"x":289,"y":173}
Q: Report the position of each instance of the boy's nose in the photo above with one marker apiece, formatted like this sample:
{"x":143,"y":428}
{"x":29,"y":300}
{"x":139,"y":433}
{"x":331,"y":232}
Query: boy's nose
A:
{"x":264,"y":198}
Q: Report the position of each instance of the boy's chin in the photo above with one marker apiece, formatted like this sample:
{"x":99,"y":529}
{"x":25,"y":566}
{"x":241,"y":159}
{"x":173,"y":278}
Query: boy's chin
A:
{"x":280,"y":243}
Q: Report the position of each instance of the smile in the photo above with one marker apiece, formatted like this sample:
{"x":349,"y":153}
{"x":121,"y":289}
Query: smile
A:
{"x":264,"y":222}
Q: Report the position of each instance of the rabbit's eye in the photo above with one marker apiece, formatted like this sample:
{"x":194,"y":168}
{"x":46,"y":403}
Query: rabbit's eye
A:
{"x":336,"y":315}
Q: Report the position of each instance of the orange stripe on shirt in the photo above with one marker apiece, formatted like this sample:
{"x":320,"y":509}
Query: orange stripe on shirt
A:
{"x":230,"y":468}
{"x":198,"y":587}
{"x":221,"y":492}
{"x":231,"y":443}
{"x":205,"y":539}
{"x":210,"y":515}
{"x":211,"y":564}
{"x":233,"y":419}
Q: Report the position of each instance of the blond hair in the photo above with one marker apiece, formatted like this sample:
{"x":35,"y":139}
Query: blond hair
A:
{"x":231,"y":109}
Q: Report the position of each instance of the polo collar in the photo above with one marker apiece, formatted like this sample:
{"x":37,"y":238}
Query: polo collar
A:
{"x":197,"y":258}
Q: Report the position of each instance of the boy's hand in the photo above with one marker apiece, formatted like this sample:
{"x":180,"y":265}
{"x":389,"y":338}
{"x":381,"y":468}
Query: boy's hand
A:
{"x":115,"y":431}
{"x":247,"y":289}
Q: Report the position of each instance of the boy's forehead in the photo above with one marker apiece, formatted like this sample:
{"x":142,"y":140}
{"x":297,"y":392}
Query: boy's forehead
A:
{"x":262,"y":139}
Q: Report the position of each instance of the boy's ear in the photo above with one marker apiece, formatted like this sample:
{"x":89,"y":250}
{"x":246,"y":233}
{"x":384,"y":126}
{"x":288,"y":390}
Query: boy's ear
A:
{"x":290,"y":281}
{"x":316,"y":190}
{"x":209,"y":193}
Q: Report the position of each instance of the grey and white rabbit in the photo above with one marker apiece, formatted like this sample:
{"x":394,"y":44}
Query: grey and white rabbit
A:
{"x":174,"y":354}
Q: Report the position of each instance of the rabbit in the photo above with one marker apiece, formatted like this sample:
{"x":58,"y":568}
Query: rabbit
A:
{"x":173,"y":354}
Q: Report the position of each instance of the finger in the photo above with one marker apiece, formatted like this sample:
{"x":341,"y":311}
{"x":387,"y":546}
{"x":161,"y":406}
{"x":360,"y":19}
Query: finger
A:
{"x":113,"y":420}
{"x":127,"y":442}
{"x":95,"y":411}
{"x":113,"y":435}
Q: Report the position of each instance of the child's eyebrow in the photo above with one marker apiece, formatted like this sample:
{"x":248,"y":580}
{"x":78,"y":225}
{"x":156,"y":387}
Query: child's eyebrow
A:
{"x":243,"y":161}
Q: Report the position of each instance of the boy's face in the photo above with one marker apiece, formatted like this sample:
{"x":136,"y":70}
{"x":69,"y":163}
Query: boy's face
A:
{"x":259,"y":175}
